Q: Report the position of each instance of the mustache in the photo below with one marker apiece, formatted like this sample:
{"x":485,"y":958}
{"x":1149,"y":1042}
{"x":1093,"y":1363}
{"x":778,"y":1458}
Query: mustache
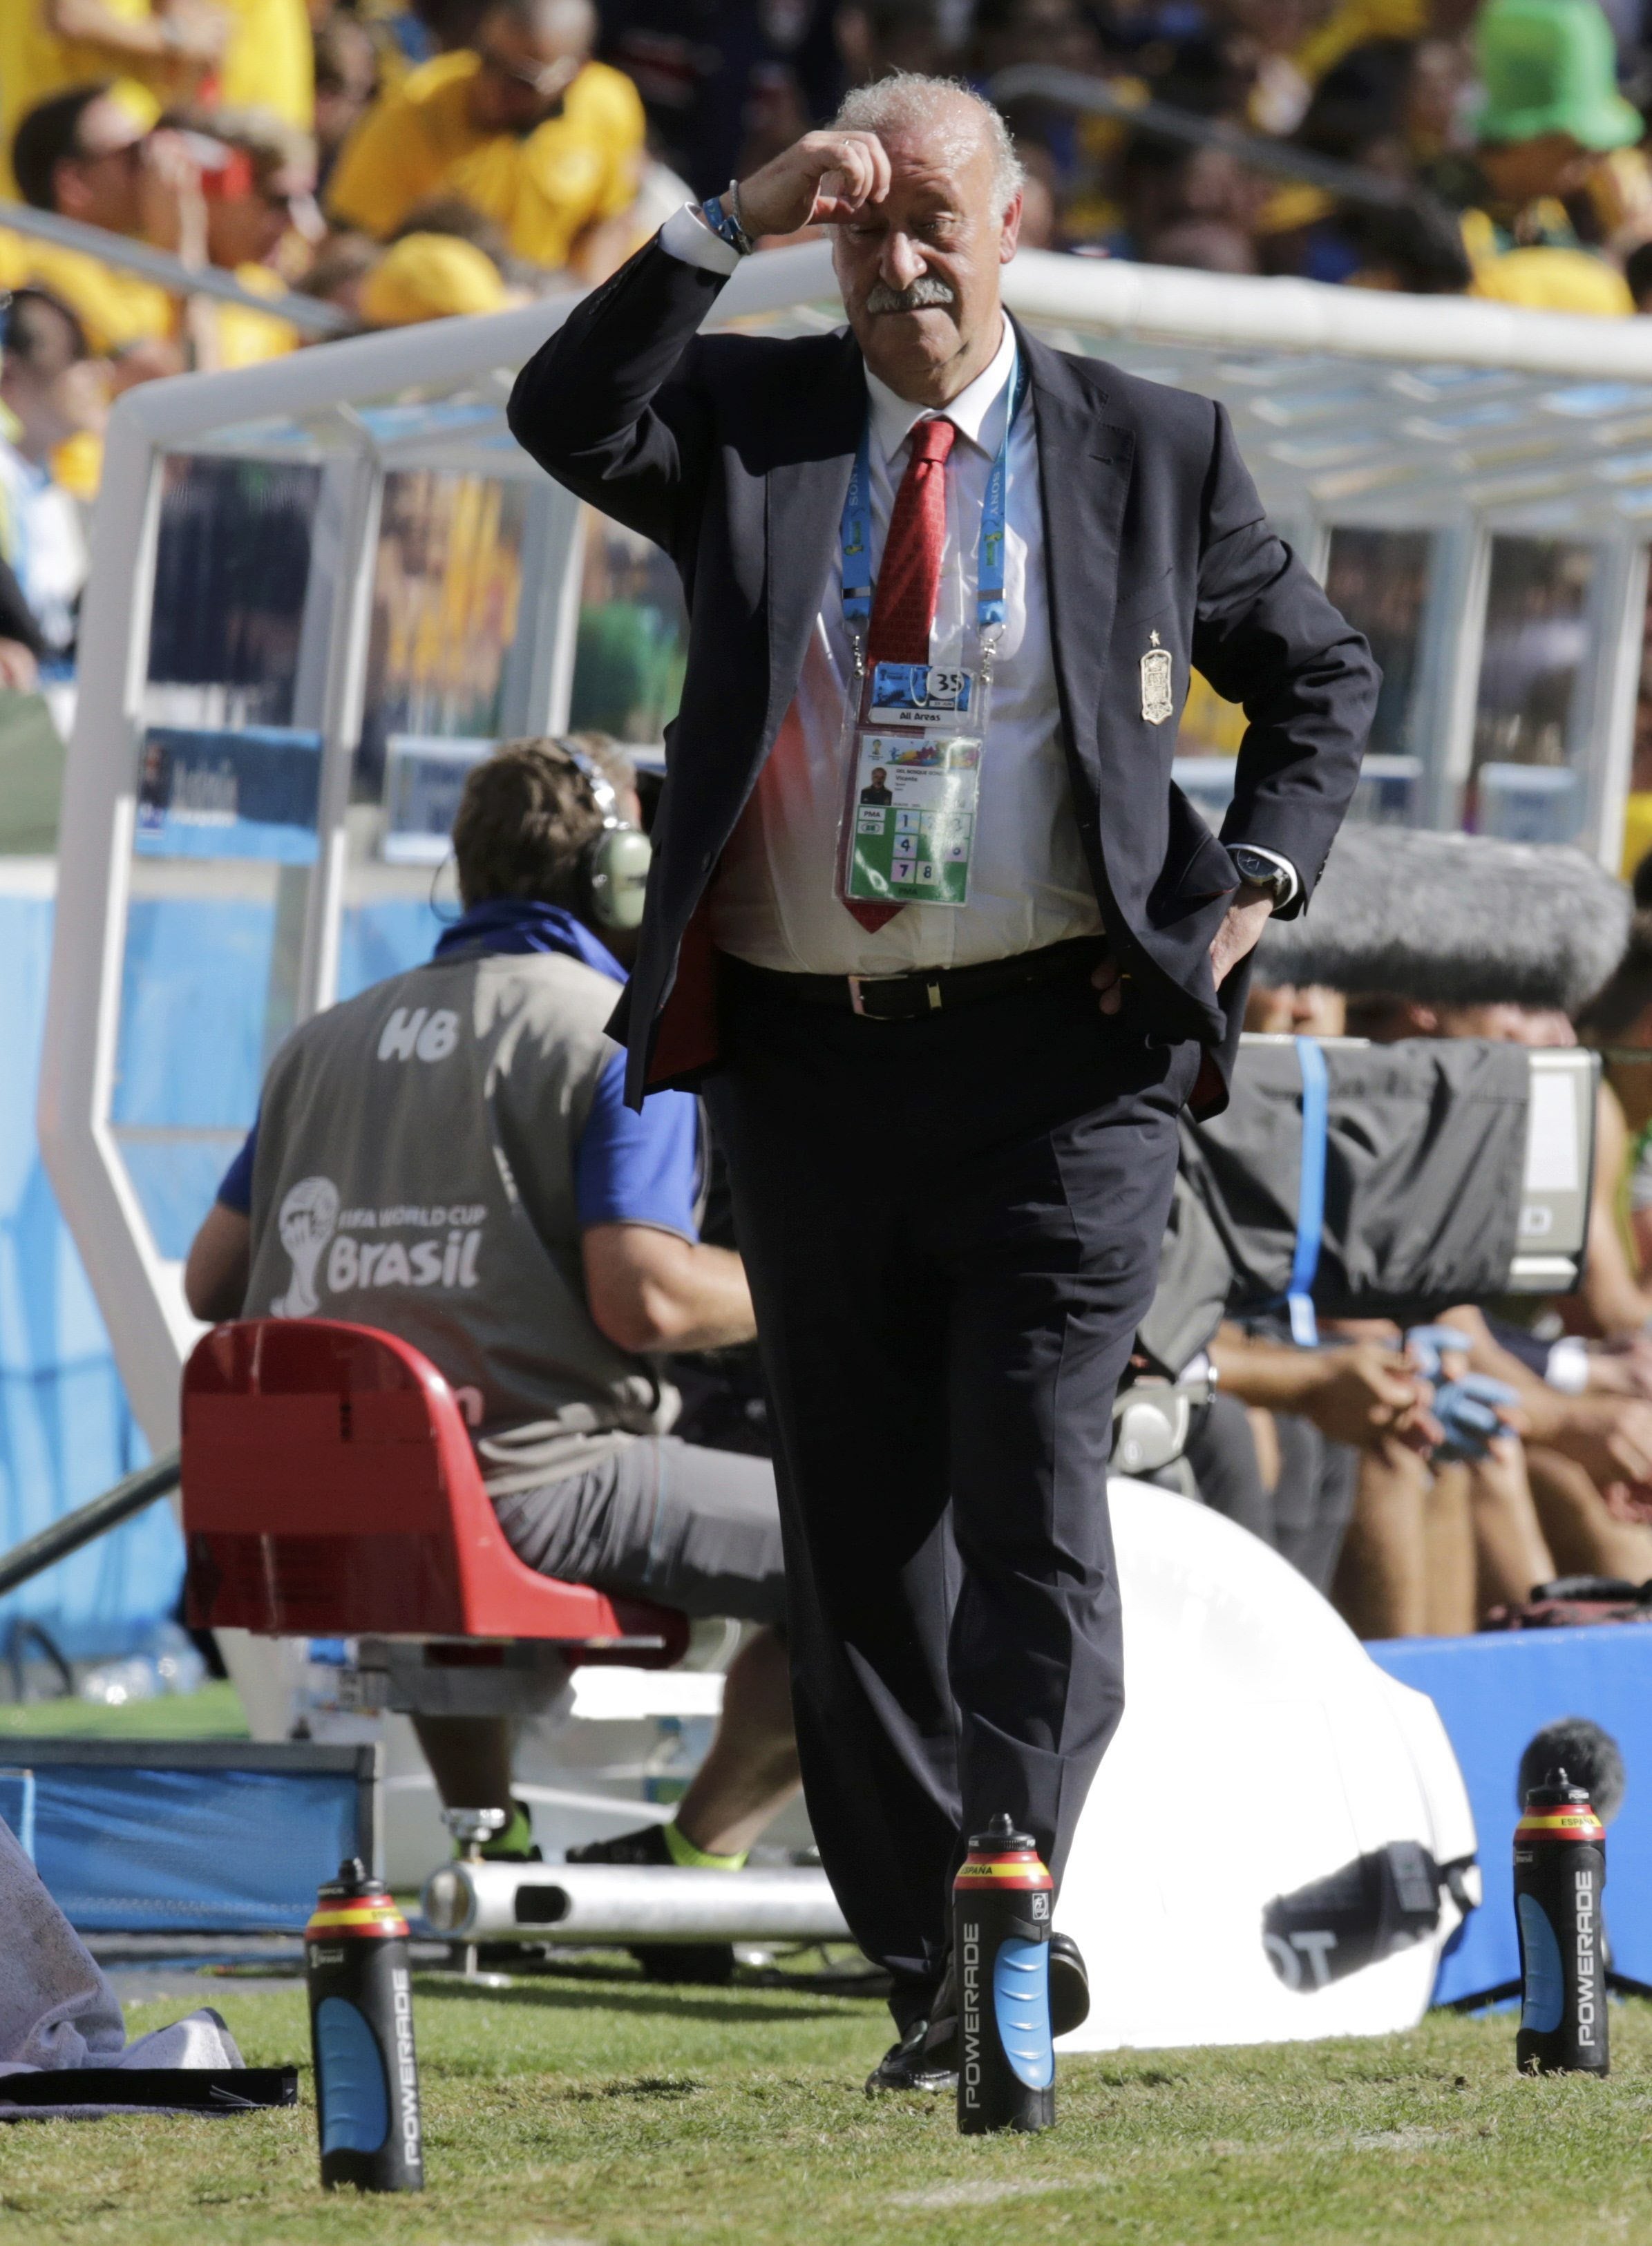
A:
{"x":927,"y":289}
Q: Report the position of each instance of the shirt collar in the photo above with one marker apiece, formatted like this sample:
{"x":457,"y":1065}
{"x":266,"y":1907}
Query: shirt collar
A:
{"x":977,"y":412}
{"x":521,"y":924}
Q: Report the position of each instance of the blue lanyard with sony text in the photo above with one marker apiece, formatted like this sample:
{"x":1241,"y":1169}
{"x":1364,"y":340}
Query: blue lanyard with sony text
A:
{"x":855,"y":529}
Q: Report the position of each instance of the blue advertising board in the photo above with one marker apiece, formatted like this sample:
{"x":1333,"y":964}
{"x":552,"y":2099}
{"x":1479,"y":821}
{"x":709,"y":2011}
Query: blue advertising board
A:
{"x":246,"y":792}
{"x":158,"y":1836}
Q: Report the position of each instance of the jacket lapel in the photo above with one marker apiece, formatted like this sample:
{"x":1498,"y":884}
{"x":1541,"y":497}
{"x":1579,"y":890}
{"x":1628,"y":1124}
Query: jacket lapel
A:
{"x":804,"y":494}
{"x":1083,"y":476}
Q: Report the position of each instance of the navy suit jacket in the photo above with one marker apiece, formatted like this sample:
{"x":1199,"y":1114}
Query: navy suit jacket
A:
{"x":733,"y":453}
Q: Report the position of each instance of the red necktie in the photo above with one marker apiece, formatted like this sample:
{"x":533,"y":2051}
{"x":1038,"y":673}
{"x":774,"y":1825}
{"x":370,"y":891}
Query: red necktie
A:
{"x":908,"y":578}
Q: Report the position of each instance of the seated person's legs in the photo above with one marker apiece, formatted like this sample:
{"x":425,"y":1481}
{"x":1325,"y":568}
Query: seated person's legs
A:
{"x":1511,"y":1555}
{"x":1588,"y":1456}
{"x":1380,"y":1586}
{"x":1221,"y":1450}
{"x":1357,"y":1397}
{"x":1448,"y":1554}
{"x":748,"y":1773}
{"x":1312,"y":1497}
{"x":697,"y":1530}
{"x":751,"y":1768}
{"x":1585,"y":1535}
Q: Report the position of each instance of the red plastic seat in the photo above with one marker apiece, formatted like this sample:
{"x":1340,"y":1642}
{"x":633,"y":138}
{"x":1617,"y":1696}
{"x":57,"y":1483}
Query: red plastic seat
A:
{"x":330,"y":1489}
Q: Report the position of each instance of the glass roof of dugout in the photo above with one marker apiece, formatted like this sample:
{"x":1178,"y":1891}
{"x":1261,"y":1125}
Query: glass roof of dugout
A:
{"x":1369,"y":406}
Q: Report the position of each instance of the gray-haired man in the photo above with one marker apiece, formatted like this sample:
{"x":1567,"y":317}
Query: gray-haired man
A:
{"x":1005,"y":983}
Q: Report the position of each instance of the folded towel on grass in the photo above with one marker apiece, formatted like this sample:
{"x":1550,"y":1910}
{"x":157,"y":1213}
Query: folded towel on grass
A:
{"x":58,"y":2010}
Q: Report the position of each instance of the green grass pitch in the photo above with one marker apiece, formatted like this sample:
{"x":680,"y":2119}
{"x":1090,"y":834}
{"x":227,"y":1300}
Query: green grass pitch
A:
{"x":586,"y":2113}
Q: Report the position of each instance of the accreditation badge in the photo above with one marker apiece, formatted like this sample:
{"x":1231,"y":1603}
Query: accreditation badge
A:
{"x":918,"y":694}
{"x":914,"y":817}
{"x":915,"y":786}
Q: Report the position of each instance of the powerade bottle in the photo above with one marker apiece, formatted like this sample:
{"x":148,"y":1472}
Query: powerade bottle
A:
{"x":361,"y":2035}
{"x":1001,"y":1955}
{"x":1559,"y":1870}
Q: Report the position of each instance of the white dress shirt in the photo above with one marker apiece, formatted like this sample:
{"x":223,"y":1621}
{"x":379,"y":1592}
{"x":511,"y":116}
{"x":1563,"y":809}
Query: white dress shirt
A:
{"x":775,"y":900}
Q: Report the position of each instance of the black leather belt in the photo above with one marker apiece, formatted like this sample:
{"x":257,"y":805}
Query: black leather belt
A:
{"x":927,"y":990}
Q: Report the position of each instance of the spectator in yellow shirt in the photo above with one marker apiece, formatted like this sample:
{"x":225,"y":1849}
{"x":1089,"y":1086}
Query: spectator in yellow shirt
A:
{"x":48,"y":45}
{"x":1550,"y":109}
{"x":258,"y":178}
{"x":524,"y":125}
{"x":269,"y":62}
{"x":86,"y":155}
{"x":431,"y":277}
{"x":346,"y":80}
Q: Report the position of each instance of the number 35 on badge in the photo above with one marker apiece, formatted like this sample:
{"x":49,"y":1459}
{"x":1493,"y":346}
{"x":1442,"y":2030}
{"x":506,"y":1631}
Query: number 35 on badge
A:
{"x":1157,"y":701}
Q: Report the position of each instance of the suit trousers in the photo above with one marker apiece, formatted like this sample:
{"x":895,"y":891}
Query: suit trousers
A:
{"x":952,"y":1229}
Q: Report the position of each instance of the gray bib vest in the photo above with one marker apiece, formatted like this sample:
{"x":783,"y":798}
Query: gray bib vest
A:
{"x":415,"y":1172}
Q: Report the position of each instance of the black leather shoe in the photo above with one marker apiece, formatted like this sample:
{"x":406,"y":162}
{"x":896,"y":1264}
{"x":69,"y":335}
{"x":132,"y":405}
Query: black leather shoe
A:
{"x":1068,"y":1985}
{"x":920,"y":2061}
{"x":927,"y":2056}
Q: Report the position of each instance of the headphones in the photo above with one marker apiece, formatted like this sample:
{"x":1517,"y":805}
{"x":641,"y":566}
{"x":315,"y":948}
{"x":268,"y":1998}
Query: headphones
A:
{"x":615,"y":862}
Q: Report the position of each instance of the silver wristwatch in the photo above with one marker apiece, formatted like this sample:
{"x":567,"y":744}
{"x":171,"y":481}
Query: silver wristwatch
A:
{"x":1261,"y":872}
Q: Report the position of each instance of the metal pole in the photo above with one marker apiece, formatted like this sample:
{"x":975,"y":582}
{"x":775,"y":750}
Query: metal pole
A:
{"x":625,"y":1902}
{"x":1457,"y":604}
{"x":340,"y":731}
{"x":309,"y":313}
{"x":1605,"y":746}
{"x":56,"y":1542}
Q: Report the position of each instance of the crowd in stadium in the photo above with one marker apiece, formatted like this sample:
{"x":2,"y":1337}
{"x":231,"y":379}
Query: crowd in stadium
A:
{"x":409,"y":159}
{"x":442,"y":156}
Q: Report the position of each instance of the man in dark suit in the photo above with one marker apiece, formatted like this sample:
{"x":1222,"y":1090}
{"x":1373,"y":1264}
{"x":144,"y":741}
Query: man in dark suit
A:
{"x":942,"y":1356}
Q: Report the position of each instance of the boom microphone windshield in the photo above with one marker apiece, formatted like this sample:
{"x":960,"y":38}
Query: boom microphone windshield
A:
{"x":1591,"y":1757}
{"x":1454,"y":920}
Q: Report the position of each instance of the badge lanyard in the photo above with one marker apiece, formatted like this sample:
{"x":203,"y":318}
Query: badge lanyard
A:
{"x":914,"y":733}
{"x":855,"y":533}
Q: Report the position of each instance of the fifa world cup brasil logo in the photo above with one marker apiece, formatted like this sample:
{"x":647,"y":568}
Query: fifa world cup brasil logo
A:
{"x":308,"y":1216}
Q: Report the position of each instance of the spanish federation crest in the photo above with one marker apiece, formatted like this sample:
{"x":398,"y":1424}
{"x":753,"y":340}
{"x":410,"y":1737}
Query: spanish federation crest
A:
{"x":1157,"y":701}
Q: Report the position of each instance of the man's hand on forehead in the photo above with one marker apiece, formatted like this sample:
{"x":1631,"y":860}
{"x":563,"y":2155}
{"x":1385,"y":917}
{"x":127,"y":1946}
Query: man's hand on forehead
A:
{"x":822,"y":179}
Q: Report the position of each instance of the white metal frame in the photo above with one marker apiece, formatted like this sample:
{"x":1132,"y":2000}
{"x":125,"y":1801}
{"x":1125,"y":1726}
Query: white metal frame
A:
{"x":1180,"y":323}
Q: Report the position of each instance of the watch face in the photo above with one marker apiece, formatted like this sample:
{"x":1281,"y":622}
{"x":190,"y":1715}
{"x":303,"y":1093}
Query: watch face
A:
{"x":1261,"y":872}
